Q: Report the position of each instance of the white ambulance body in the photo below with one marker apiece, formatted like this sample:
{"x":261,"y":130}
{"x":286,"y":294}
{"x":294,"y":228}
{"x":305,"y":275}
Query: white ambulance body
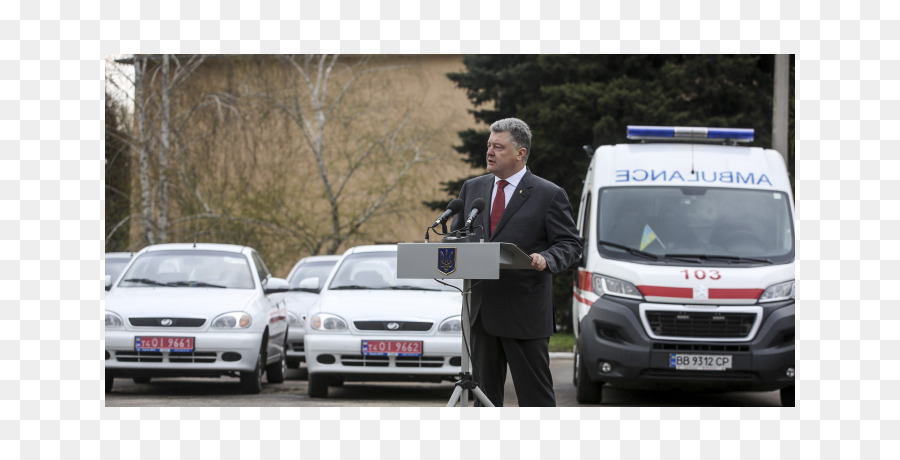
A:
{"x":687,"y":278}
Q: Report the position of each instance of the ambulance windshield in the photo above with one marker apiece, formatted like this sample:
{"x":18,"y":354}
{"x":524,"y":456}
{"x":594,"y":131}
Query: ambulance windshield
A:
{"x":721,"y":224}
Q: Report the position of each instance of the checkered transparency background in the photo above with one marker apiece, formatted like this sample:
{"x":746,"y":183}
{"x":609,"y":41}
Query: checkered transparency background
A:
{"x":51,"y":228}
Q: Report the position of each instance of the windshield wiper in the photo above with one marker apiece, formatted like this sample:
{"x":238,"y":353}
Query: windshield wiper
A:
{"x":414,"y":288}
{"x":194,"y":284}
{"x":356,"y":286}
{"x":314,"y":291}
{"x":735,"y":259}
{"x":144,"y":281}
{"x":629,"y":249}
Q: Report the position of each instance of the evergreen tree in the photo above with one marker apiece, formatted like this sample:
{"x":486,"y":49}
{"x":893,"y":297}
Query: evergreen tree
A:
{"x":570,"y":101}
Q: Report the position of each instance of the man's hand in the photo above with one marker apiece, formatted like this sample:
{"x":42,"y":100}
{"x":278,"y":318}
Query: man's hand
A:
{"x":538,"y":262}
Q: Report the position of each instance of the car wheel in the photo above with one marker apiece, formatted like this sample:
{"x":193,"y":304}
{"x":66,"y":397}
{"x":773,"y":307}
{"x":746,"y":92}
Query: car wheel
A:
{"x":586,"y":391}
{"x":787,"y":396}
{"x":575,"y":361}
{"x":141,"y":379}
{"x":275,"y":371}
{"x":318,"y":386}
{"x":109,"y":382}
{"x":251,"y":381}
{"x":304,"y":373}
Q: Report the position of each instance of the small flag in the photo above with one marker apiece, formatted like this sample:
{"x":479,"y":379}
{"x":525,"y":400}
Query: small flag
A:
{"x":648,"y":237}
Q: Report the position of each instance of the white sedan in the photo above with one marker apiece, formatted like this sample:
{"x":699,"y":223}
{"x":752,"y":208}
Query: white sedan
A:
{"x":196,"y":310}
{"x":305,"y":281}
{"x":367,"y":325}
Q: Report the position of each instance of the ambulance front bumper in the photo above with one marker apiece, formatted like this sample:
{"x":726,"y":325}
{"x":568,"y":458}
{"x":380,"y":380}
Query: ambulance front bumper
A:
{"x":617,"y":348}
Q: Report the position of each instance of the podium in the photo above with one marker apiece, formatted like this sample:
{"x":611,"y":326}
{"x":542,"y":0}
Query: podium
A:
{"x":466,"y":261}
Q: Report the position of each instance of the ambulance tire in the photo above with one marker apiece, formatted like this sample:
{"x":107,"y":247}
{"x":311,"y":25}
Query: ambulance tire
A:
{"x":787,"y":396}
{"x":586,"y":391}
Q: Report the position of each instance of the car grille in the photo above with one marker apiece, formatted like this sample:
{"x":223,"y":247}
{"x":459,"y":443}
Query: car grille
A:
{"x":715,"y":325}
{"x":399,"y":361}
{"x":417,"y":326}
{"x":171,"y":357}
{"x":176,"y":322}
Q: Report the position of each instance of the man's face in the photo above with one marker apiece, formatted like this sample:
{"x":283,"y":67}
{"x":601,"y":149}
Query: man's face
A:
{"x":503,"y":159}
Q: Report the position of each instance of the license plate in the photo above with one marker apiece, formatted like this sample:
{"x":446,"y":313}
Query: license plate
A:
{"x":182,"y":344}
{"x":391,"y":347}
{"x":699,"y":362}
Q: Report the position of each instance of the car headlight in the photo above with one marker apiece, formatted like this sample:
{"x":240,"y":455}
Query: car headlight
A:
{"x":611,"y":286}
{"x":327,"y":322}
{"x":781,"y":291}
{"x":294,"y":320}
{"x":452,"y":324}
{"x":232,"y":320}
{"x":114,"y":321}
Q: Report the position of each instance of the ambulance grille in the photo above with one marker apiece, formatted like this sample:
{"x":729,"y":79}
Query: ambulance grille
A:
{"x":712,"y":325}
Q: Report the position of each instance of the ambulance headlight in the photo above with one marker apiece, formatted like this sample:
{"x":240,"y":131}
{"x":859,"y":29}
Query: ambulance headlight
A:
{"x":611,"y":286}
{"x":782,"y":291}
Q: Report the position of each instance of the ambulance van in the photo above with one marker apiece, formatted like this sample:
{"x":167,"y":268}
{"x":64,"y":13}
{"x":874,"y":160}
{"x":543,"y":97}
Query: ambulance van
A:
{"x":687,"y":276}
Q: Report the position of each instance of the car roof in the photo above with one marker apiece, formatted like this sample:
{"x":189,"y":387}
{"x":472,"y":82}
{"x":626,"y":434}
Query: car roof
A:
{"x":331,"y":258}
{"x":196,"y":246}
{"x":372,"y":248}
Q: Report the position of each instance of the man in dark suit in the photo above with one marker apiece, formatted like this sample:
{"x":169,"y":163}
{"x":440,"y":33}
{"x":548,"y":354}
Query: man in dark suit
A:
{"x":512,"y":317}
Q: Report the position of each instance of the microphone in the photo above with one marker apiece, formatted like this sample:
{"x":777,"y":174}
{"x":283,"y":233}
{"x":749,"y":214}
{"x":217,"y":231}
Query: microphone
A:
{"x":477,"y":207}
{"x":454,"y":208}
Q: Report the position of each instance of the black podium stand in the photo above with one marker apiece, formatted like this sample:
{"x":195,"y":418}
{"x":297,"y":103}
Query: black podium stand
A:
{"x":468,"y":262}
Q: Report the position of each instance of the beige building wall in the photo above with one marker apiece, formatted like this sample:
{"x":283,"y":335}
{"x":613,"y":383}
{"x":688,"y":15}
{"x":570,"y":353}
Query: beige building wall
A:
{"x":242,"y":171}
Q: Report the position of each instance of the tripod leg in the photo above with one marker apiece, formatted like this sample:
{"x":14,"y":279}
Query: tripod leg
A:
{"x":482,"y":397}
{"x":455,"y":396}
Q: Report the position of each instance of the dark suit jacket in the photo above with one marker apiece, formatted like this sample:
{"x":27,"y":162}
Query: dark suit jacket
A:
{"x":538,"y":219}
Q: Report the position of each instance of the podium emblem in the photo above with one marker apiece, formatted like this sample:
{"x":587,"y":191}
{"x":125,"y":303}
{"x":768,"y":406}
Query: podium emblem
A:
{"x":446,"y":260}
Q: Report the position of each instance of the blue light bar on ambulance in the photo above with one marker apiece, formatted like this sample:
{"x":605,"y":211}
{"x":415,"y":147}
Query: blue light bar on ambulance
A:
{"x":690,"y":133}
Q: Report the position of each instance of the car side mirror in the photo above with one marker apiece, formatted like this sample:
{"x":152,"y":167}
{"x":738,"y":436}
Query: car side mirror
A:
{"x":309,"y":284}
{"x":108,"y":282}
{"x":274,"y":285}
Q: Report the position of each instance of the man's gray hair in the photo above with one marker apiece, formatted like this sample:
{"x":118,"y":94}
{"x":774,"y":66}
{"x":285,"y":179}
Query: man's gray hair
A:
{"x":518,"y":131}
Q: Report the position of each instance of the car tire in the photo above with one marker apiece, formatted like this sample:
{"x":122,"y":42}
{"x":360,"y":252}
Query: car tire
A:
{"x":304,"y":373}
{"x":141,"y":380}
{"x":576,"y":359}
{"x":586,"y":391}
{"x":109,"y":382}
{"x":318,"y":386}
{"x":787,"y":396}
{"x":251,"y":381}
{"x":275,"y":371}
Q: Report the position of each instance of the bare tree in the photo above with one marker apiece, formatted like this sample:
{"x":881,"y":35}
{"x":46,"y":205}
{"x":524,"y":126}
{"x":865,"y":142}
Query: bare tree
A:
{"x":349,"y":136}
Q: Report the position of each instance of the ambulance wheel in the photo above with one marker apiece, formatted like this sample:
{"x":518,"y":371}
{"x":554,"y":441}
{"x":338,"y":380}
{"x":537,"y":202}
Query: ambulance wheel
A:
{"x":787,"y":396}
{"x":587,"y":391}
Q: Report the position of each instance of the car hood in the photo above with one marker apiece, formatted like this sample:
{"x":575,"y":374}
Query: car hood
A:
{"x":299,"y":301}
{"x":355,"y":305}
{"x":177,"y":301}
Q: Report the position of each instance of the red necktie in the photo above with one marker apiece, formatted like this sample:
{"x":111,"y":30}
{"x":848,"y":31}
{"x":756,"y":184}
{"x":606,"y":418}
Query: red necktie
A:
{"x":499,"y":204}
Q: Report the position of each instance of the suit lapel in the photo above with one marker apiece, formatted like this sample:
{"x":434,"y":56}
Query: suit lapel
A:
{"x":520,"y":196}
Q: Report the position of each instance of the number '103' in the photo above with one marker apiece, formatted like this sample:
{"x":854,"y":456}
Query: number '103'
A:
{"x":702,"y":274}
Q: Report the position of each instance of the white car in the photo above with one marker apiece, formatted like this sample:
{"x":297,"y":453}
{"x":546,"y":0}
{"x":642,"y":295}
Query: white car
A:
{"x":304,"y":283}
{"x":367,"y":325}
{"x":114,"y":263}
{"x":196,"y":310}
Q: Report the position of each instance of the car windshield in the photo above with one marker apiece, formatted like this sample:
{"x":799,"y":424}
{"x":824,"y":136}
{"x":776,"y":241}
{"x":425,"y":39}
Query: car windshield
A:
{"x":378,"y":270}
{"x":693,"y":224}
{"x":306,"y":270}
{"x":189,"y":268}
